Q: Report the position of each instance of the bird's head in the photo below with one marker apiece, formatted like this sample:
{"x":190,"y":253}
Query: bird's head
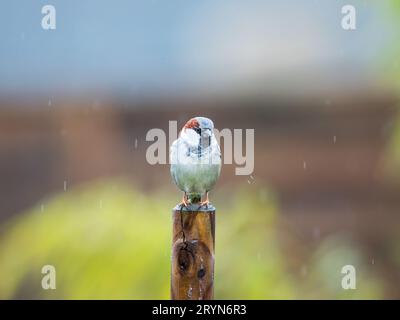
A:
{"x":198,"y":130}
{"x":201,"y":125}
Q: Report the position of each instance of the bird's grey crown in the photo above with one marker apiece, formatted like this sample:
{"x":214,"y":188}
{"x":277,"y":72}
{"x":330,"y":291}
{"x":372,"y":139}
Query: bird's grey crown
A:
{"x":205,"y":123}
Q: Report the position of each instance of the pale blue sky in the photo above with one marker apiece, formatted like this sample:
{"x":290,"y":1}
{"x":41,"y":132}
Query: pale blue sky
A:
{"x":157,"y":45}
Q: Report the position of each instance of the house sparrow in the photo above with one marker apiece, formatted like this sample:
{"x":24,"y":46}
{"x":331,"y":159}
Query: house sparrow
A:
{"x":195,"y":160}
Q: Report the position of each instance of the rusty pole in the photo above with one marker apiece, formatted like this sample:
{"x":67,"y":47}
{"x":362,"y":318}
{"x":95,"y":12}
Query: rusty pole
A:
{"x":193,"y":243}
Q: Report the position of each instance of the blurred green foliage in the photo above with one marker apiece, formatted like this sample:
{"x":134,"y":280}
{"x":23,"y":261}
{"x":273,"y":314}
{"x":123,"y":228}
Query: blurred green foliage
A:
{"x":326,"y":276}
{"x":108,"y":240}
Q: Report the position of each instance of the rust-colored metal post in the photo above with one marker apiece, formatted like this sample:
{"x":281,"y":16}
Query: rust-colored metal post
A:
{"x":193,"y":243}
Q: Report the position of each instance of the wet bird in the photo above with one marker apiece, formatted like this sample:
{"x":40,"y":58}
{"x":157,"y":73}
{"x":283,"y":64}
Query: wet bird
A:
{"x":195,"y":159}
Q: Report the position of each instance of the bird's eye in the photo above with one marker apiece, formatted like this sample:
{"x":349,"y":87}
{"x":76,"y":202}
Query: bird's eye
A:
{"x":198,"y":130}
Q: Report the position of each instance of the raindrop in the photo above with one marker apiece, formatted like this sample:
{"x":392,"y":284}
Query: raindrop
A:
{"x":96,"y":104}
{"x":304,"y":271}
{"x":316,"y":233}
{"x":250,"y":181}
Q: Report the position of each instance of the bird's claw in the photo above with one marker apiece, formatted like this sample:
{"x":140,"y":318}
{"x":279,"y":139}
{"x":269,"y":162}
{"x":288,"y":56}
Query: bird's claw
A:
{"x":184,"y":203}
{"x":204,"y":203}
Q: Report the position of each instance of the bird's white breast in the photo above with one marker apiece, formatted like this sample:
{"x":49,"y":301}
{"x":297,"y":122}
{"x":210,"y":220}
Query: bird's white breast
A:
{"x":195,"y":172}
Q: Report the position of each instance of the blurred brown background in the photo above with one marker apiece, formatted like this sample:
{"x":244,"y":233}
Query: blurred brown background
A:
{"x":324,"y":157}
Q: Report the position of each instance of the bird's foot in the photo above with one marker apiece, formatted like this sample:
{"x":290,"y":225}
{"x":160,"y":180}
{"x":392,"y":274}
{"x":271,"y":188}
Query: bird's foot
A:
{"x":184,"y":203}
{"x":204,"y":203}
